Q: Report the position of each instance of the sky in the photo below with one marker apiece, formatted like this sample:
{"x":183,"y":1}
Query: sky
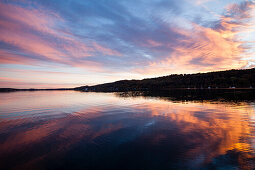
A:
{"x":51,"y":44}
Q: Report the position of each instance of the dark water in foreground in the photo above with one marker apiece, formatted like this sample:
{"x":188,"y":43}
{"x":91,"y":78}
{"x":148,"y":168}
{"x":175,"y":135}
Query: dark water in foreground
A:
{"x":74,"y":130}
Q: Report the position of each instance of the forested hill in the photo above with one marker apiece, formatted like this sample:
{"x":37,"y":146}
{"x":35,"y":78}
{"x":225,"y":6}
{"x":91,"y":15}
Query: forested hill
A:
{"x":219,"y":79}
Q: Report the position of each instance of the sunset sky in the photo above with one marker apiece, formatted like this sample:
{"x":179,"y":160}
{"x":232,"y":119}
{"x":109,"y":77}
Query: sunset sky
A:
{"x":68,"y":43}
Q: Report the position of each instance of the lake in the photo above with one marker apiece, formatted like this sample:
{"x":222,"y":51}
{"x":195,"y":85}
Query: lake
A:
{"x":79,"y":130}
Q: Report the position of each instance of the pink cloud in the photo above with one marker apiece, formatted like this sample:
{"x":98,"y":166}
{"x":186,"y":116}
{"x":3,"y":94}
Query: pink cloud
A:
{"x":6,"y":57}
{"x":67,"y":50}
{"x":104,"y":50}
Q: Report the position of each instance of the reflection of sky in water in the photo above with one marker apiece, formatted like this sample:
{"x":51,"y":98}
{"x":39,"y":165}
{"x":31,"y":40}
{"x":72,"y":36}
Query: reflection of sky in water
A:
{"x":68,"y":129}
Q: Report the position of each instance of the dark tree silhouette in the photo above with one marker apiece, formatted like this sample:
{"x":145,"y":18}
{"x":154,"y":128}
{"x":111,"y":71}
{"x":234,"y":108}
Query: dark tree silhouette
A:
{"x":212,"y":80}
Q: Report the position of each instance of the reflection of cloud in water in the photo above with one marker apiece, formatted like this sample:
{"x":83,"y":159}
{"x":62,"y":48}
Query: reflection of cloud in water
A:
{"x":215,"y":128}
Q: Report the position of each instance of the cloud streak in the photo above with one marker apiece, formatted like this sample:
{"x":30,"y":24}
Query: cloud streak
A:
{"x":206,"y":48}
{"x":35,"y":34}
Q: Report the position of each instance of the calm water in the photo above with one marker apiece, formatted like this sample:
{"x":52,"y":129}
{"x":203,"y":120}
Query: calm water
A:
{"x":74,"y":130}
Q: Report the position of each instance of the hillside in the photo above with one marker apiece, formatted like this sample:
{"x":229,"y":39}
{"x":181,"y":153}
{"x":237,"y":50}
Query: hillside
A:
{"x":220,"y":79}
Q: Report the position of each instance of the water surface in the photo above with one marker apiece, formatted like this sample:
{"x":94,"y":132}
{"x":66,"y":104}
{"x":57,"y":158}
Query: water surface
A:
{"x":74,"y":130}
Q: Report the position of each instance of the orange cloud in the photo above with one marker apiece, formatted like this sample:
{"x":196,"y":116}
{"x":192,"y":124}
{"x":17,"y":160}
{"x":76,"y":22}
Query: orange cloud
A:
{"x":206,"y":49}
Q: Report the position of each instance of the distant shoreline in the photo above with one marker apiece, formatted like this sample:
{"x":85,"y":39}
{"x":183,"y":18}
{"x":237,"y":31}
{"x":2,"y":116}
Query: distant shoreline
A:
{"x":222,"y":80}
{"x":73,"y":89}
{"x":14,"y":89}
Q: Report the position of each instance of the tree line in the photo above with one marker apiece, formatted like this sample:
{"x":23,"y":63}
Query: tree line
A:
{"x":244,"y":78}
